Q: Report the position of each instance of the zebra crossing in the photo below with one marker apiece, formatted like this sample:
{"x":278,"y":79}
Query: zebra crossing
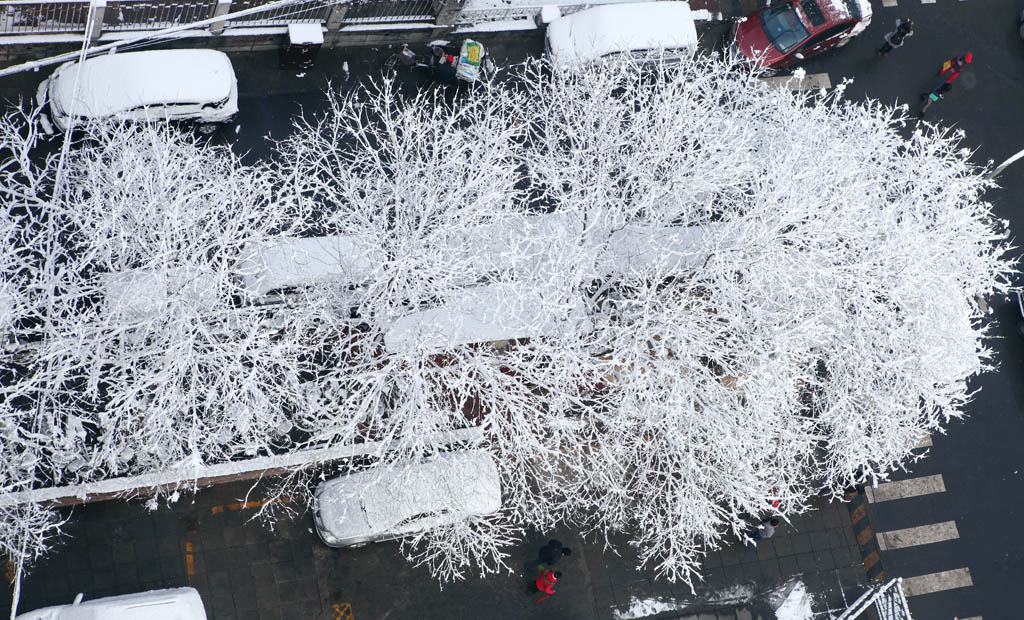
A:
{"x":927,"y":534}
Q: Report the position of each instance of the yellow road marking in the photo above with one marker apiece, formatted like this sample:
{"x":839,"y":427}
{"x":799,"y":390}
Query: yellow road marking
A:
{"x":343,"y":611}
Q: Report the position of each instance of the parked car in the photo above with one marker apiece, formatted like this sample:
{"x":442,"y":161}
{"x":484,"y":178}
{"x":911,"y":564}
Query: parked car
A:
{"x":779,"y":36}
{"x":172,"y":604}
{"x":640,"y":29}
{"x":289,"y":263}
{"x":406,"y":498}
{"x":194,"y":86}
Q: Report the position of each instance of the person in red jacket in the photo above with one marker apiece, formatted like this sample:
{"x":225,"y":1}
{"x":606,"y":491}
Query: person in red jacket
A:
{"x":546,"y":583}
{"x":954,"y":65}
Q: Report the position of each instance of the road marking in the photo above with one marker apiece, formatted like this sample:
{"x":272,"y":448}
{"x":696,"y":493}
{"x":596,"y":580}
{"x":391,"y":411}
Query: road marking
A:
{"x":937,"y":582}
{"x":343,"y":611}
{"x":889,"y":3}
{"x":811,"y":81}
{"x":902,"y":489}
{"x":921,"y":535}
{"x":924,"y":443}
{"x":971,"y":618}
{"x":927,"y":1}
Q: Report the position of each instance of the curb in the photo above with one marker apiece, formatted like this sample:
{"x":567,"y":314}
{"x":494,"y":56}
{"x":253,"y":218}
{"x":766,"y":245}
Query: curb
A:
{"x":870,"y":553}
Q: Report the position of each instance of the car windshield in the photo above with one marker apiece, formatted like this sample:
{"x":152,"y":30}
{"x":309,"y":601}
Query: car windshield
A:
{"x":783,"y":28}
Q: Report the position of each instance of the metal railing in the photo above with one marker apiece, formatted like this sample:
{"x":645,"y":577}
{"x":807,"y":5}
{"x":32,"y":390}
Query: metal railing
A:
{"x":310,"y":12}
{"x":469,"y":16}
{"x":881,"y":602}
{"x":368,"y":12}
{"x":51,"y":16}
{"x":152,"y":14}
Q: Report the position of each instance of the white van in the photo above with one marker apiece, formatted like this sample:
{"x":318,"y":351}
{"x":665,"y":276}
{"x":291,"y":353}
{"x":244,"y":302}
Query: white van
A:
{"x":640,"y":28}
{"x":172,"y":604}
{"x":406,"y":498}
{"x":197,"y":86}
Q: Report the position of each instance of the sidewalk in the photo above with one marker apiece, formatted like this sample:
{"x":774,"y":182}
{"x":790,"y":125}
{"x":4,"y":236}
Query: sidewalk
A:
{"x":243,"y":570}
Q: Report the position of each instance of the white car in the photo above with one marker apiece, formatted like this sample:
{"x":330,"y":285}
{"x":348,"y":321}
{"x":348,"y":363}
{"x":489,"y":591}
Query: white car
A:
{"x":406,"y":498}
{"x":197,"y":86}
{"x":641,"y":28}
{"x":287,"y":263}
{"x":172,"y":604}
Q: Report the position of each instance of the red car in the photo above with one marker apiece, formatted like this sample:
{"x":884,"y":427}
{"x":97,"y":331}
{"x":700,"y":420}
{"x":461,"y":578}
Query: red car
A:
{"x":782,"y":35}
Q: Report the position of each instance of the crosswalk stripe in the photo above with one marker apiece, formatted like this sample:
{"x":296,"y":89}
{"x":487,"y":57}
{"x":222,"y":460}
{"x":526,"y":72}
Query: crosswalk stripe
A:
{"x":924,"y":443}
{"x":937,"y":582}
{"x":921,"y":535}
{"x":889,"y":3}
{"x":811,"y":81}
{"x":927,"y":1}
{"x":901,"y":489}
{"x":971,"y":618}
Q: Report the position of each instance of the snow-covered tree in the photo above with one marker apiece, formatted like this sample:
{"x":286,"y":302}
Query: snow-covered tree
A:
{"x":668,"y":298}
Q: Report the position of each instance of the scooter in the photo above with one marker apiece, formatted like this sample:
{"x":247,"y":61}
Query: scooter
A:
{"x":444,"y":64}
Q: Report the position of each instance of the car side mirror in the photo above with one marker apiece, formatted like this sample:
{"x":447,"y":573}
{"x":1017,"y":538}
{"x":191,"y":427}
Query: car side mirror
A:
{"x":798,"y":56}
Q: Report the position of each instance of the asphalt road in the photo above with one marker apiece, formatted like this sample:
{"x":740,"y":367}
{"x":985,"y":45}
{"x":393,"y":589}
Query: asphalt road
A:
{"x":979,"y":458}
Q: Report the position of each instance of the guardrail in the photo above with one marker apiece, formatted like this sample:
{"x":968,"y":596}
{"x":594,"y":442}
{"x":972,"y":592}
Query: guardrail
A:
{"x":21,"y":17}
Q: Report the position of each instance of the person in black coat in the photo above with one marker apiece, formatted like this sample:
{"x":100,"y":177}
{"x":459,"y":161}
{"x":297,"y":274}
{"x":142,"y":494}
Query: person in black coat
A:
{"x":551,"y":553}
{"x":904,"y":29}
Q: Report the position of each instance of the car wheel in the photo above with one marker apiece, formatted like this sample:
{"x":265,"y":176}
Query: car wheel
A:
{"x":768,"y":72}
{"x":207,"y":128}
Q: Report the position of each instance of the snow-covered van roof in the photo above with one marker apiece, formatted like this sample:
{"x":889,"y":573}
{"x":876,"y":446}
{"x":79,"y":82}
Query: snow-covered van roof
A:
{"x":456,"y":484}
{"x":170,"y":604}
{"x":283,"y":263}
{"x":484,"y":314}
{"x":114,"y":83}
{"x":632,"y":27}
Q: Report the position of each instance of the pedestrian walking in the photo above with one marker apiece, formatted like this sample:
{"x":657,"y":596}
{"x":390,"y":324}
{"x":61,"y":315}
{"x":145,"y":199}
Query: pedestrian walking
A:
{"x":546,"y":583}
{"x":952,"y":67}
{"x":766,"y":529}
{"x":904,"y":29}
{"x":551,"y":553}
{"x":936,"y":93}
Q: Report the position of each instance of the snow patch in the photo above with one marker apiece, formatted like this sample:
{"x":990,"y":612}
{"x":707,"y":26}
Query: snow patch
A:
{"x":732,"y":593}
{"x":643,"y":608}
{"x":797,"y":605}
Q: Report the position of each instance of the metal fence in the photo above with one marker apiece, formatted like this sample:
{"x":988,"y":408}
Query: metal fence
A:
{"x":310,"y":12}
{"x":470,"y":16}
{"x":881,"y":602}
{"x":153,"y":14}
{"x":51,"y":16}
{"x":368,"y":11}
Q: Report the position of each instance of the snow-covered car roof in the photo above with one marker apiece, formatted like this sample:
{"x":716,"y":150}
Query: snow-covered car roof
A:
{"x":633,"y":27}
{"x":171,"y":604}
{"x":116,"y":83}
{"x":142,"y":293}
{"x":301,"y":262}
{"x":453,"y":484}
{"x":485,"y":314}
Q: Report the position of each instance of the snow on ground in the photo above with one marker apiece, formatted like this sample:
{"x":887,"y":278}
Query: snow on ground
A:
{"x":644,"y":607}
{"x":732,"y":593}
{"x":473,"y":5}
{"x":797,"y":605}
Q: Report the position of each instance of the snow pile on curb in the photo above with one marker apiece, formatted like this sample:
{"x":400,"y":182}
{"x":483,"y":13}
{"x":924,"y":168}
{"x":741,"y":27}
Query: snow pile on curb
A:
{"x":643,"y":608}
{"x":797,"y":605}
